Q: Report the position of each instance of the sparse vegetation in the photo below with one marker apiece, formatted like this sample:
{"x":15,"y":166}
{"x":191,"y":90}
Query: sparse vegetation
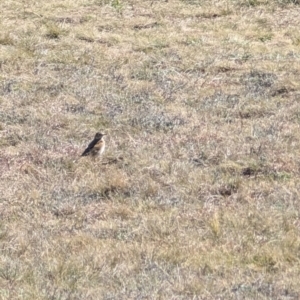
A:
{"x":197,"y":195}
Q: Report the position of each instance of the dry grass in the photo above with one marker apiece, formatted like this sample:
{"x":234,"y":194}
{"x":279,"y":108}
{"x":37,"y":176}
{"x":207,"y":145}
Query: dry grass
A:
{"x":197,"y":195}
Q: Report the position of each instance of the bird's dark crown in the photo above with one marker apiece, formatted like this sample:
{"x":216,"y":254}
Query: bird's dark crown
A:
{"x":99,"y":135}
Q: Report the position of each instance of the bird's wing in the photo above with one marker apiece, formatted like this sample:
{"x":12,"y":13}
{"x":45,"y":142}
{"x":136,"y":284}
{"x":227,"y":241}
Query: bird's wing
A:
{"x":89,"y":147}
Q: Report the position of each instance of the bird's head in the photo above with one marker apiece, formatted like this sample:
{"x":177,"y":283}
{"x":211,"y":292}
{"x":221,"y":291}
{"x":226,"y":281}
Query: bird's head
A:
{"x":99,"y":135}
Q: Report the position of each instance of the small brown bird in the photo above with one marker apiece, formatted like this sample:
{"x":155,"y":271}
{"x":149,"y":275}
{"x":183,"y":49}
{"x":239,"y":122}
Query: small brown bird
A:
{"x":96,"y":146}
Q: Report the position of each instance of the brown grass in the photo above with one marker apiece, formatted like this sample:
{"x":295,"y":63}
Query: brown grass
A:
{"x":197,"y":195}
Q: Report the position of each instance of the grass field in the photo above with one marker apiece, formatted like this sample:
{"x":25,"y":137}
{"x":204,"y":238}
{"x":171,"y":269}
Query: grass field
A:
{"x":197,"y":195}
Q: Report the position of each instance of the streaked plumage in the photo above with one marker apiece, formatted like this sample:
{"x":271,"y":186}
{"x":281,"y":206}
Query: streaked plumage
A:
{"x":96,"y":146}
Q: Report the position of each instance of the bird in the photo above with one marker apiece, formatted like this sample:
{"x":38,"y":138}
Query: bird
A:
{"x":96,"y":147}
